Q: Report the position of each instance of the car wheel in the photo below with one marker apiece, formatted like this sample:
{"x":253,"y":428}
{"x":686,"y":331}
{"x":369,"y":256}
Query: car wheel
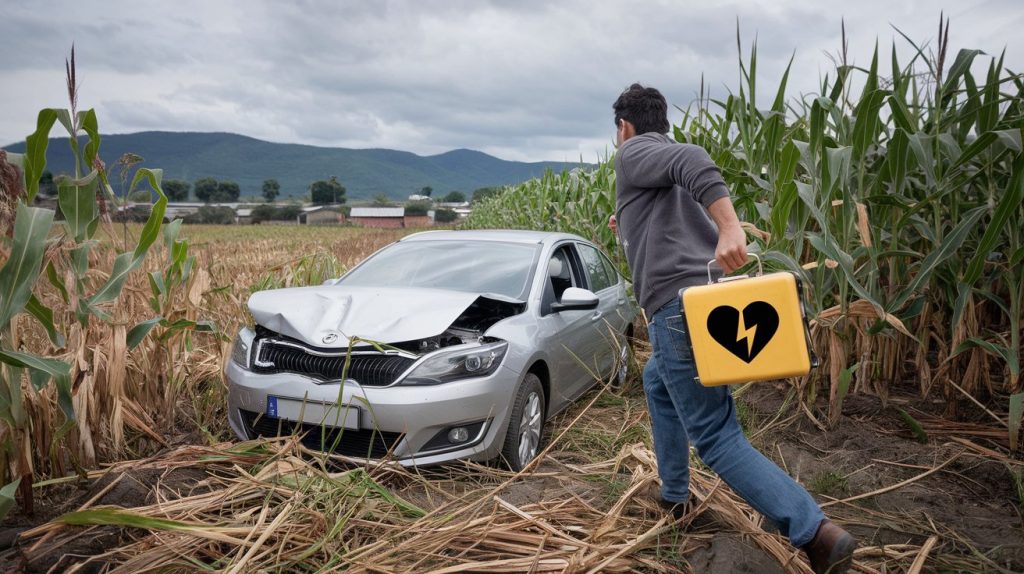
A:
{"x":526,"y":425}
{"x":618,"y":379}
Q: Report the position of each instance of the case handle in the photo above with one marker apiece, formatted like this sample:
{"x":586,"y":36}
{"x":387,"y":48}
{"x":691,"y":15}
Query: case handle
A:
{"x":760,"y":269}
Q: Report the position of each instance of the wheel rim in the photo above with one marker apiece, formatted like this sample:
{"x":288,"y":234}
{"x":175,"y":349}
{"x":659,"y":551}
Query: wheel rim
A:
{"x":623,"y":364}
{"x":529,"y":428}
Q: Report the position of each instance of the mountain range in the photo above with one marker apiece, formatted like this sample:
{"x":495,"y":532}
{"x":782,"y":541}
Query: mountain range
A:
{"x":247,"y":161}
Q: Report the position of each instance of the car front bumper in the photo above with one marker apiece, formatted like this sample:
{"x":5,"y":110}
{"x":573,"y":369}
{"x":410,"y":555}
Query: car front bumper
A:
{"x":420,"y":414}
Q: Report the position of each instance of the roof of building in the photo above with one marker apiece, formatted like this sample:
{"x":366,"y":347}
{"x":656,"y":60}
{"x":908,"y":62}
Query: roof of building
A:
{"x":503,"y":235}
{"x":310,"y":208}
{"x":377,"y":212}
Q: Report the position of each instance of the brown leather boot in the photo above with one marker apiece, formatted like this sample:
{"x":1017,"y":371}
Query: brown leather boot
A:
{"x":831,"y":549}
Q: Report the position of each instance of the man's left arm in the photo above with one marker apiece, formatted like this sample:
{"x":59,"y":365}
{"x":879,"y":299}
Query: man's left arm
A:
{"x":731,"y":252}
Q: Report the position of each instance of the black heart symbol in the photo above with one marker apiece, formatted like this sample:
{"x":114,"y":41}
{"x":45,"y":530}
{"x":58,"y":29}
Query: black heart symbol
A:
{"x":759,"y":317}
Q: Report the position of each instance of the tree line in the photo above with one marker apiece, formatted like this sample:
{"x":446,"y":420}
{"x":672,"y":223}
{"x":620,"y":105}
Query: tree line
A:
{"x":210,"y":190}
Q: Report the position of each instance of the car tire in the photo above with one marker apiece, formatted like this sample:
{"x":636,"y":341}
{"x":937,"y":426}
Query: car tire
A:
{"x":526,"y":425}
{"x":622,"y":362}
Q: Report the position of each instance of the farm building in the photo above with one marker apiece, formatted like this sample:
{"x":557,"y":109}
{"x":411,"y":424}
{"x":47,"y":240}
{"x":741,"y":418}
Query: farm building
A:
{"x":381,"y":217}
{"x":321,"y":215}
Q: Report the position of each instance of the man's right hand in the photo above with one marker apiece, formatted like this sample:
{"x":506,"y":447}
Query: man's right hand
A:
{"x":731,"y":252}
{"x":612,"y":224}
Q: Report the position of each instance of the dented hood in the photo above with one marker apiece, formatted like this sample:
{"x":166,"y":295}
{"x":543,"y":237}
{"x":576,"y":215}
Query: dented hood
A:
{"x":328,"y":316}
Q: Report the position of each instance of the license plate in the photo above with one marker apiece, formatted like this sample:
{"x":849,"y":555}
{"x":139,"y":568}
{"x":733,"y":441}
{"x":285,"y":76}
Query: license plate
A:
{"x":313,"y":412}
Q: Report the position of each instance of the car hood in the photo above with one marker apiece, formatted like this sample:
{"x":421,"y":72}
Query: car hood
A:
{"x":329,"y":316}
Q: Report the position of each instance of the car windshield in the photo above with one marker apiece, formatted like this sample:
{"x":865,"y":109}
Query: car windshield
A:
{"x":474,"y":266}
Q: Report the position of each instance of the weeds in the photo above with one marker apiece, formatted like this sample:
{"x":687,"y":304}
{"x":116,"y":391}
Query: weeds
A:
{"x":829,"y":483}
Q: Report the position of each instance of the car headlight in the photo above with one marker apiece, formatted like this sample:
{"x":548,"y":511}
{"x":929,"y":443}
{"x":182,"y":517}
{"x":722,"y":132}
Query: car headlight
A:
{"x":240,"y":351}
{"x":458,"y":363}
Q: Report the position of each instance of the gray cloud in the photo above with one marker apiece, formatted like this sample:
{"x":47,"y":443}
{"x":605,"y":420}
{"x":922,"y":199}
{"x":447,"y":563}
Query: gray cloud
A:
{"x":527,"y":80}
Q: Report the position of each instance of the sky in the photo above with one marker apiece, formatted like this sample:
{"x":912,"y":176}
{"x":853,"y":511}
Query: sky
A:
{"x":525,"y":80}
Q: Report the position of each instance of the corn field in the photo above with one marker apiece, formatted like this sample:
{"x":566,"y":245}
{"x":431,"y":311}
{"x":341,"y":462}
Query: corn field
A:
{"x":898,"y":198}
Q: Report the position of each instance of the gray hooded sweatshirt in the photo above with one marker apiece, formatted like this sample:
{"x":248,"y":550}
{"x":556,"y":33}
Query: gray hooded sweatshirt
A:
{"x":663,"y":190}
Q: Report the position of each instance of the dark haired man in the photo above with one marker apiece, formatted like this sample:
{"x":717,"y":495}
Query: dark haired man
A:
{"x":673,"y":214}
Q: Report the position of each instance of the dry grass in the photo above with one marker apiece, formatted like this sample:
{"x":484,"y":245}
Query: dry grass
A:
{"x":274,"y":506}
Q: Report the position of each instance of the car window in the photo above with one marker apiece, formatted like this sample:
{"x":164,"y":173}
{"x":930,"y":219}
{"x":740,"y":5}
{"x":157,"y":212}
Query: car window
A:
{"x":473,"y":266}
{"x":594,"y":267}
{"x":563,"y":271}
{"x":609,"y":269}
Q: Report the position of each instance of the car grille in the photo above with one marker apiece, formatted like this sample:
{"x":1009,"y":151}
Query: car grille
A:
{"x":374,"y":370}
{"x":348,"y":442}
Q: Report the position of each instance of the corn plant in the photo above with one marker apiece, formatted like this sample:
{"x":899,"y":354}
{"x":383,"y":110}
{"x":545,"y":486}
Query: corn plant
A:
{"x":30,"y":434}
{"x":578,"y":201}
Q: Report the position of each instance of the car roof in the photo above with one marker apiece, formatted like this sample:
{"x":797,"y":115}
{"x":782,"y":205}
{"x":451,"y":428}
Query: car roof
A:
{"x":502,"y":235}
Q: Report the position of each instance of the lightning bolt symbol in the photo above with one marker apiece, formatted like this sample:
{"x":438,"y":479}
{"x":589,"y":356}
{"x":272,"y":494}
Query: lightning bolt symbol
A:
{"x":746,"y":333}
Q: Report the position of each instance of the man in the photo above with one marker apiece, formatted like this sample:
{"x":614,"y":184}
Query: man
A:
{"x":673,"y":214}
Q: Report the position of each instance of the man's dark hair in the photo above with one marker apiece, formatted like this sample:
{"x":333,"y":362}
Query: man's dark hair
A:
{"x":645,"y":108}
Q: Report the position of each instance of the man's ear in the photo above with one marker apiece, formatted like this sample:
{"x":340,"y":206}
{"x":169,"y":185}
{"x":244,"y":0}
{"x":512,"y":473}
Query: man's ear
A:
{"x":628,"y":130}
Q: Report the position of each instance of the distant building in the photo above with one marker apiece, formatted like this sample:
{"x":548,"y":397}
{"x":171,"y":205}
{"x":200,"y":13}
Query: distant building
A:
{"x":415,"y":197}
{"x":243,"y":216}
{"x":321,"y":215}
{"x":418,"y":221}
{"x":380,"y":217}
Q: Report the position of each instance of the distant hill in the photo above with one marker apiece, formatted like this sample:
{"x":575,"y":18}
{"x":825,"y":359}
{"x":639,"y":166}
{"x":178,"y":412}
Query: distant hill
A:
{"x":365,"y":173}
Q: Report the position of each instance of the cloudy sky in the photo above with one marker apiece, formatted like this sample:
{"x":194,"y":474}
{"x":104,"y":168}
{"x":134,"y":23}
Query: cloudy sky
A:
{"x":523,"y":80}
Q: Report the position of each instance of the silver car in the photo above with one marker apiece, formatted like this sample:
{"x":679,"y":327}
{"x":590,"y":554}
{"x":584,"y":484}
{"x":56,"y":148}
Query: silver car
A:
{"x":444,"y":345}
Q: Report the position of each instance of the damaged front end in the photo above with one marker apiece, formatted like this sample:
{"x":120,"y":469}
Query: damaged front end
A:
{"x":345,"y":323}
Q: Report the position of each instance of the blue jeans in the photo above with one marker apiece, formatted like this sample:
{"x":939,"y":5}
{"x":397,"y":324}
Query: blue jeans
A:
{"x":683,"y":410}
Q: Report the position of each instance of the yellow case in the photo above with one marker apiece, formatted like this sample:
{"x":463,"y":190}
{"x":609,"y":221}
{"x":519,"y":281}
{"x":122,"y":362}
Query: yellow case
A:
{"x":748,"y":329}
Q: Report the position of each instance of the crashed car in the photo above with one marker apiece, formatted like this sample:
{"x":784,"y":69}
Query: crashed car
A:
{"x":443,"y":345}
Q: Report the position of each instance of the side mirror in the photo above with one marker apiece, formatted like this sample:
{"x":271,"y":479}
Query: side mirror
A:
{"x":574,"y":299}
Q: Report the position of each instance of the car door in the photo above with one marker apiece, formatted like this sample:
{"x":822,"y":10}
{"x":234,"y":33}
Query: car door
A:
{"x":607,"y":321}
{"x":568,"y":334}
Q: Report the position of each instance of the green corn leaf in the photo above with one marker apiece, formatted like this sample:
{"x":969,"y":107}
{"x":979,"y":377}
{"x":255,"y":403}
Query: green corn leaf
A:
{"x":921,"y":145}
{"x":964,"y":291}
{"x":123,"y":265}
{"x":977,"y":342}
{"x":828,"y":247}
{"x":56,"y":281}
{"x":1005,"y":211}
{"x":982,"y":143}
{"x":838,"y":165}
{"x":901,"y":114}
{"x":59,"y":371}
{"x":65,"y":120}
{"x":151,"y":230}
{"x":156,"y":284}
{"x":961,"y":65}
{"x":19,"y":273}
{"x":7,"y":497}
{"x":87,"y":121}
{"x":988,"y":112}
{"x":898,"y":160}
{"x":77,"y":200}
{"x":44,"y":315}
{"x":139,"y":332}
{"x":914,"y":426}
{"x":806,"y":193}
{"x":35,"y":152}
{"x":119,"y":517}
{"x":950,"y":244}
{"x":868,"y":124}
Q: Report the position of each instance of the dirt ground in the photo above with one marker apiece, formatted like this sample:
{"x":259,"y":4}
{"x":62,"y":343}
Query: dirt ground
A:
{"x":871,"y":473}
